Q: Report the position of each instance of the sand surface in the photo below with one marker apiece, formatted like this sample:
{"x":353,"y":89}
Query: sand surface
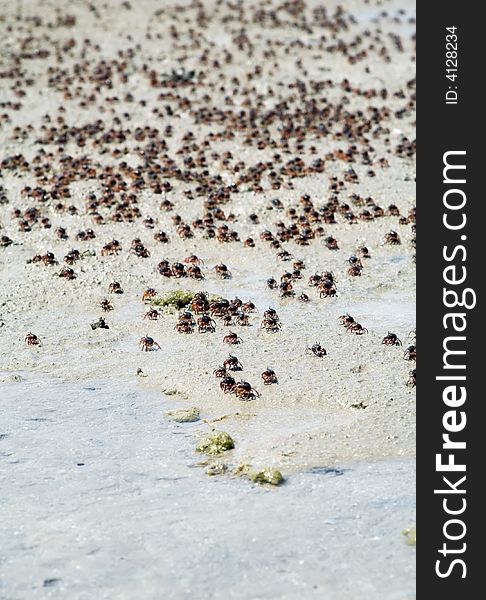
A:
{"x":141,"y":518}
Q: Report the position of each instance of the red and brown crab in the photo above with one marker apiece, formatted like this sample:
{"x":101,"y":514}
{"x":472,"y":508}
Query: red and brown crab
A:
{"x":227,"y":384}
{"x":269,"y":377}
{"x":31,"y":339}
{"x":232,"y":338}
{"x":356,"y":328}
{"x":244,"y":391}
{"x":410,"y":353}
{"x":318,"y":350}
{"x":147,"y":344}
{"x":391,"y":339}
{"x":106,"y":305}
{"x":219,"y":372}
{"x":232,"y":364}
{"x":152,"y":314}
{"x":205,"y":324}
{"x":392,"y":238}
{"x":148,"y":294}
{"x":115,"y":288}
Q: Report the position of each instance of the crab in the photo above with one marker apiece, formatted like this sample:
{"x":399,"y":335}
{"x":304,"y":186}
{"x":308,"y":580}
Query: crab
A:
{"x":106,"y":305}
{"x":205,"y":324}
{"x":219,"y":372}
{"x":248,"y":307}
{"x":363,"y":251}
{"x":269,"y":377}
{"x":227,"y":383}
{"x":326,"y":288}
{"x":410,"y":353}
{"x":392,"y":238}
{"x":193,"y":260}
{"x":412,"y":379}
{"x":178,"y":270}
{"x":115,"y":288}
{"x":232,"y":364}
{"x":232,"y":338}
{"x":139,"y":250}
{"x":147,"y":344}
{"x":223,"y":271}
{"x":346,"y":319}
{"x":199,"y":303}
{"x":354,"y":271}
{"x":67,"y":273}
{"x":148,"y":294}
{"x":286,"y":289}
{"x":194,"y":272}
{"x":152,"y":314}
{"x":32,"y":340}
{"x":242,"y":319}
{"x":391,"y":339}
{"x":318,"y":350}
{"x":356,"y":328}
{"x":244,"y":391}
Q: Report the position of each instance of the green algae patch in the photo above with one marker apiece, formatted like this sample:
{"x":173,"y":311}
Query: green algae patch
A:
{"x":410,"y":534}
{"x":176,"y":299}
{"x":216,"y":443}
{"x":267,"y":475}
{"x":184,"y":415}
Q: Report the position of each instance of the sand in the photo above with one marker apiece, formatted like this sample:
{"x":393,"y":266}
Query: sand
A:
{"x":126,"y":523}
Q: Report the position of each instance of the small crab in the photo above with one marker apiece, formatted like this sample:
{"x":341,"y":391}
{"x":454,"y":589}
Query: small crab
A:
{"x":205,"y":324}
{"x":318,"y":350}
{"x":152,"y":314}
{"x":354,"y":271}
{"x":269,"y":377}
{"x":244,"y":391}
{"x":148,"y":294}
{"x":67,"y":273}
{"x":248,"y":307}
{"x":227,"y":384}
{"x":356,"y":328}
{"x":115,"y":288}
{"x":147,"y":344}
{"x":32,"y":340}
{"x":391,"y":339}
{"x":232,"y":363}
{"x":232,"y":338}
{"x":412,"y":379}
{"x":392,"y":238}
{"x":223,"y":271}
{"x":219,"y":372}
{"x":193,"y":260}
{"x":363,"y":251}
{"x":410,"y":353}
{"x":106,"y":305}
{"x":346,"y":320}
{"x":303,"y":297}
{"x":242,"y":319}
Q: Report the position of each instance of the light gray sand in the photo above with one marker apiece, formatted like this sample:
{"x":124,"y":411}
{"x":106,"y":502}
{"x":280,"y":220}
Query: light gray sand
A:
{"x":102,"y":494}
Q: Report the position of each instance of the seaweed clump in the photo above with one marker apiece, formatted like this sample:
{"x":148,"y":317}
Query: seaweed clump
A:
{"x":177,"y":299}
{"x":184,"y":415}
{"x":410,"y":534}
{"x":216,"y":443}
{"x":267,"y":475}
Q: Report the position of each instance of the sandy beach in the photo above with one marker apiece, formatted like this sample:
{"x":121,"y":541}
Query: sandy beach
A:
{"x":195,"y":108}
